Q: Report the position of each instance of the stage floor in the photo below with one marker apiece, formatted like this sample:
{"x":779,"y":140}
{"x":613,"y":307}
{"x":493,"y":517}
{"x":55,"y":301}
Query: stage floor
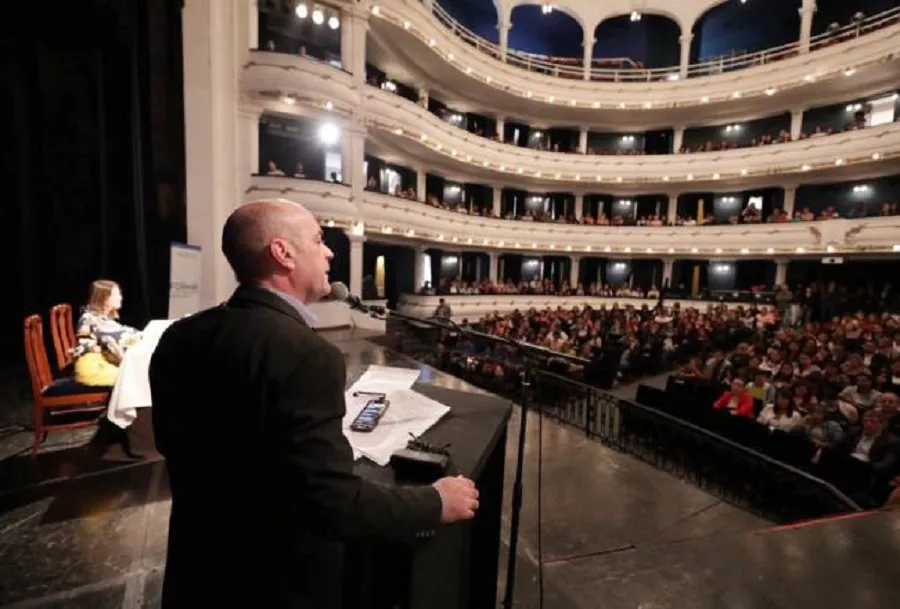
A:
{"x":617,"y":532}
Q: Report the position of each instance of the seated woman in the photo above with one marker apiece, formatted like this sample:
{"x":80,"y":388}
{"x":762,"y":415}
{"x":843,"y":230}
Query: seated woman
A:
{"x":101,"y":340}
{"x":781,"y":414}
{"x":737,"y":401}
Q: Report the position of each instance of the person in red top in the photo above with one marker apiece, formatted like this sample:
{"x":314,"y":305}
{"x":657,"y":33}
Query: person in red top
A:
{"x":738,"y":401}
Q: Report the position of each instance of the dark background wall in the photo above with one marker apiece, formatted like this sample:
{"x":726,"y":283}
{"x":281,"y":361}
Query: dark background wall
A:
{"x":479,"y":16}
{"x":94,"y":123}
{"x":837,"y":116}
{"x":733,"y":27}
{"x":399,"y":269}
{"x":722,"y":275}
{"x":862,"y":201}
{"x":617,"y":272}
{"x":729,"y":28}
{"x":289,"y":140}
{"x":555,"y":34}
{"x":841,"y":12}
{"x":279,"y":23}
{"x":694,"y":137}
{"x":652,"y":41}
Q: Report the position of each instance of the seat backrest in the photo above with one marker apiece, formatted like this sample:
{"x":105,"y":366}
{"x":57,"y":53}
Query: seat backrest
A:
{"x":36,"y":355}
{"x":63,"y":332}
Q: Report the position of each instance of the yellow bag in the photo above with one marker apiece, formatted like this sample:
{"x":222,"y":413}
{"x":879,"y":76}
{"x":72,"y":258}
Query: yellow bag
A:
{"x":94,"y":370}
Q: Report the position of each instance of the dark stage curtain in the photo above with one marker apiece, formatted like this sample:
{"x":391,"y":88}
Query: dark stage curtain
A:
{"x":92,"y":123}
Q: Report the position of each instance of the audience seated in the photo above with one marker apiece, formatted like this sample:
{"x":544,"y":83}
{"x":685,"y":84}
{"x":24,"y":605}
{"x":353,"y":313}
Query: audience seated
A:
{"x":736,"y":400}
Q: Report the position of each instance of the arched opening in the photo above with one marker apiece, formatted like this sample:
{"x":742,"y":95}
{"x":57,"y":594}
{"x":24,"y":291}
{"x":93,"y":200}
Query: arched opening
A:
{"x":478,"y":16}
{"x":732,"y":29}
{"x":831,"y":12}
{"x":651,"y":42}
{"x":555,"y":34}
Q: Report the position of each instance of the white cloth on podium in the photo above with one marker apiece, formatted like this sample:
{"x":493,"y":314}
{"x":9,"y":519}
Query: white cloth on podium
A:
{"x":132,"y":388}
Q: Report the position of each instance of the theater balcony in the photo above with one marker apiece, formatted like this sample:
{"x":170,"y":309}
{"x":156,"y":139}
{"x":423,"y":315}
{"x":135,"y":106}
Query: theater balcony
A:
{"x":299,"y":86}
{"x":429,"y":45}
{"x":396,"y":219}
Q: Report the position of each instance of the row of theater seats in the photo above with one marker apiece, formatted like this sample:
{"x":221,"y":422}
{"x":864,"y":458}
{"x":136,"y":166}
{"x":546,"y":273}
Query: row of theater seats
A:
{"x":691,"y":401}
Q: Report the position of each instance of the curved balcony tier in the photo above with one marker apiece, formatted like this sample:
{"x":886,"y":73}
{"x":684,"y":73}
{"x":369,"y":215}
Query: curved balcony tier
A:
{"x":406,"y":37}
{"x":399,"y":124}
{"x":476,"y":307}
{"x":392,"y":218}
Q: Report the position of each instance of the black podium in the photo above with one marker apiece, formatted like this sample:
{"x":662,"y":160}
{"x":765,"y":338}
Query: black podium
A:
{"x":458,"y":567}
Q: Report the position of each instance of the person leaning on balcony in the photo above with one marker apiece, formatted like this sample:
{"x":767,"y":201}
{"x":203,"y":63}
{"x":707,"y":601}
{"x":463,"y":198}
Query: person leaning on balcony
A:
{"x":737,"y":401}
{"x":101,"y":339}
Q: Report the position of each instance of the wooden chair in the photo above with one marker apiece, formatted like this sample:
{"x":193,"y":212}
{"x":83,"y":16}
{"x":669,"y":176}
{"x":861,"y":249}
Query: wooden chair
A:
{"x":63,"y":332}
{"x":54,"y":397}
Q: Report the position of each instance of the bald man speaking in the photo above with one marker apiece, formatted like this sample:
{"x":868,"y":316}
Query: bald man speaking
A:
{"x":247,"y":408}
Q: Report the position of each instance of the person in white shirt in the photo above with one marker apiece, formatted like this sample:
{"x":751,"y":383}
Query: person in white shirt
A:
{"x":780,"y":414}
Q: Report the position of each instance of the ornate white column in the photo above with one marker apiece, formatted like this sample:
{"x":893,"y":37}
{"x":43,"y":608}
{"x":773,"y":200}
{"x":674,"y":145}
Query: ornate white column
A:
{"x":583,"y":140}
{"x":504,"y":26}
{"x":685,"y":41}
{"x":668,"y":265}
{"x":796,"y":123}
{"x":672,"y":208}
{"x":248,"y":148}
{"x":501,"y":128}
{"x":588,"y":44}
{"x":493,"y":266}
{"x":497,"y":203}
{"x":423,"y":98}
{"x":353,"y":150}
{"x":677,"y":139}
{"x":419,"y":272}
{"x":781,"y":268}
{"x":215,"y":43}
{"x":574,"y":274}
{"x":807,"y":10}
{"x":356,"y":262}
{"x":790,"y":194}
{"x":421,"y":184}
{"x":251,"y":32}
{"x":354,"y":26}
{"x":579,"y":206}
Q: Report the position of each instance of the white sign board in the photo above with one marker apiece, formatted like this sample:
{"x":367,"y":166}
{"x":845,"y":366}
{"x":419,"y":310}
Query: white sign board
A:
{"x":184,"y":280}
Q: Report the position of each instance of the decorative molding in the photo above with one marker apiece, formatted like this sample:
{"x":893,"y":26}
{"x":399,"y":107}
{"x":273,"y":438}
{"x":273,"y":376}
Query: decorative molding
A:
{"x":403,"y":124}
{"x":416,"y":223}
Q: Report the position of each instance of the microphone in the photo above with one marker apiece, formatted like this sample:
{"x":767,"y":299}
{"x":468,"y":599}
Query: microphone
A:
{"x":340,"y":293}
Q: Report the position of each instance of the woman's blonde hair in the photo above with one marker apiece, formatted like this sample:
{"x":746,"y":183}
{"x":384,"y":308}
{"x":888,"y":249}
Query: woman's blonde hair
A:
{"x":101,"y":290}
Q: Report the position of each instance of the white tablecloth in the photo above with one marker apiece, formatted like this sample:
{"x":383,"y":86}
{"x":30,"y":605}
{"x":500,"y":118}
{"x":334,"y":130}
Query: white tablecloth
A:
{"x":132,"y":389}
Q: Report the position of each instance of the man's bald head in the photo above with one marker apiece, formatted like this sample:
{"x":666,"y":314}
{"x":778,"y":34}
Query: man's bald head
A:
{"x":250,"y":230}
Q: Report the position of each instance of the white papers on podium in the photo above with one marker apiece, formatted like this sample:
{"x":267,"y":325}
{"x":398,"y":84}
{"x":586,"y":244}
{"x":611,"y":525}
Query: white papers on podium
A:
{"x":409,"y":412}
{"x":384,"y":379}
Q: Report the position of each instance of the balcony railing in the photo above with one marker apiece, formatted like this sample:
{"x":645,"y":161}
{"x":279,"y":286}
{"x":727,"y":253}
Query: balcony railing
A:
{"x":399,"y":218}
{"x":573,"y":68}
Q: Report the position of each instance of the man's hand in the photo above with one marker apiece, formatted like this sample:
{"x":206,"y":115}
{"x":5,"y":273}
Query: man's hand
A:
{"x":459,"y":498}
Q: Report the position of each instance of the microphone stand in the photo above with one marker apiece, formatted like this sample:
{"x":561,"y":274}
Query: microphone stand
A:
{"x":530,"y":357}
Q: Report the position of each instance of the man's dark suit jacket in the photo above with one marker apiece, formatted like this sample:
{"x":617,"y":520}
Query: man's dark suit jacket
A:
{"x":247,"y":410}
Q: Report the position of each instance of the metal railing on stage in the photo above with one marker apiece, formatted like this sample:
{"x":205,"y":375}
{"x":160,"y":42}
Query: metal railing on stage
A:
{"x":733,"y":472}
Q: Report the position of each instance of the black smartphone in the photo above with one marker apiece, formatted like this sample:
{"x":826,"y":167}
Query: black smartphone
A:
{"x":368,"y":417}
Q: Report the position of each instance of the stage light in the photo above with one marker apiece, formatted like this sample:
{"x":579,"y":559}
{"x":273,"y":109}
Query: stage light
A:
{"x":302,"y":11}
{"x":318,"y":16}
{"x":334,"y":23}
{"x":329,"y":134}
